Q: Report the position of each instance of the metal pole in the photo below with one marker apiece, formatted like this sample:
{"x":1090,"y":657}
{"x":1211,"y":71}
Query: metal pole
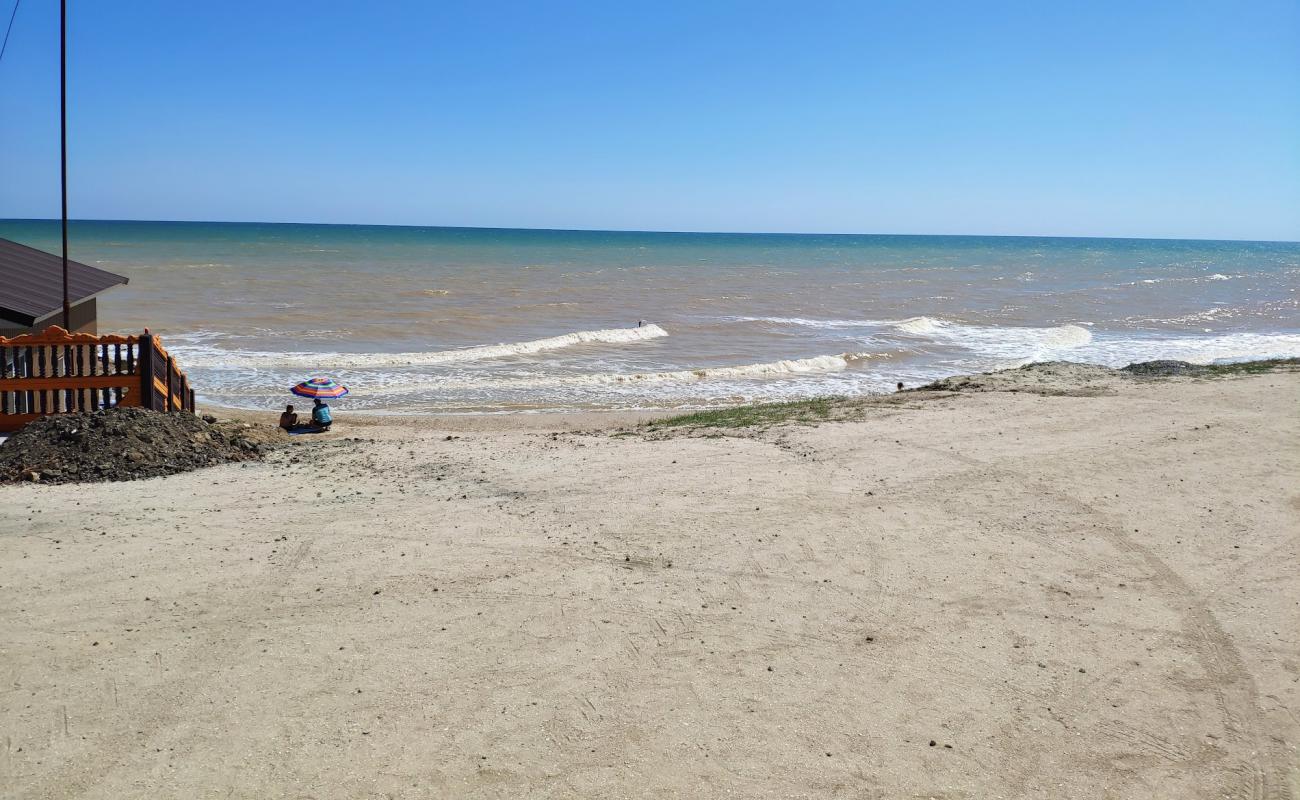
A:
{"x":63,"y":149}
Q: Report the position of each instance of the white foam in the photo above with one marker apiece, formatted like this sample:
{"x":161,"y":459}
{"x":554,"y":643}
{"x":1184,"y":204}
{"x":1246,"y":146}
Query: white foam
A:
{"x":1217,"y":276}
{"x":1116,"y":350}
{"x":814,"y":323}
{"x":489,"y":385}
{"x":921,"y":326}
{"x":999,"y":346}
{"x":791,"y":367}
{"x":1002,"y":342}
{"x":215,"y":357}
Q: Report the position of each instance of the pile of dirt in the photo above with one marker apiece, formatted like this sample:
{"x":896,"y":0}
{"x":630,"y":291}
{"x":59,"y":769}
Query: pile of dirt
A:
{"x":123,"y":444}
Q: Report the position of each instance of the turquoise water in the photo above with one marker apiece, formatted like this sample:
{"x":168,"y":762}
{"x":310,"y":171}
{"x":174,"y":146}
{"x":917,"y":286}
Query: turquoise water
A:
{"x":455,"y":319}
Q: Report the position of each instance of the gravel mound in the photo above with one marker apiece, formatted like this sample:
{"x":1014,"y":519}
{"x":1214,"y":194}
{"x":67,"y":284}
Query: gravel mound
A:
{"x":123,"y":444}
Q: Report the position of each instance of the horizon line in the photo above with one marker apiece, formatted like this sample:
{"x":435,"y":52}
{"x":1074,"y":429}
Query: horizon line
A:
{"x":651,"y":231}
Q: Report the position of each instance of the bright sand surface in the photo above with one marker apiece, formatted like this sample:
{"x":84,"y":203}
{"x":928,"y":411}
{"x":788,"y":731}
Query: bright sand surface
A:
{"x":978,"y":596}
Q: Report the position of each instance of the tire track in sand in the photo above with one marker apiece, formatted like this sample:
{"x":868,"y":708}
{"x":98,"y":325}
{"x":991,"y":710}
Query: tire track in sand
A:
{"x":1264,"y":776}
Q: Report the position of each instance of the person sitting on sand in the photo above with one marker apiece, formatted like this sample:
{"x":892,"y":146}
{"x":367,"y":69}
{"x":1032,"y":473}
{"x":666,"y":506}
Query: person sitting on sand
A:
{"x":320,"y":415}
{"x":288,"y":420}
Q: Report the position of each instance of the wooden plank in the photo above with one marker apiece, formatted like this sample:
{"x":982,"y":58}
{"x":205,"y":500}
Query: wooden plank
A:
{"x":54,"y":335}
{"x":171,"y":380}
{"x":88,"y":382}
{"x":105,"y":396}
{"x":145,"y":369}
{"x":117,"y":367}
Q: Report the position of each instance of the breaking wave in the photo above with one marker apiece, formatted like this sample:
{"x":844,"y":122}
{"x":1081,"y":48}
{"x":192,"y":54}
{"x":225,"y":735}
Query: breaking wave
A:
{"x":1118,"y":350}
{"x":1001,"y":342}
{"x":830,"y":324}
{"x":212,"y":357}
{"x":995,"y":341}
{"x":800,"y":366}
{"x":921,"y":326}
{"x":406,"y":383}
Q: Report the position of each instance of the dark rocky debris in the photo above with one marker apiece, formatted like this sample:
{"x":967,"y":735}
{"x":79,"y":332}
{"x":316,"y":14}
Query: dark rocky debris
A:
{"x":123,"y":444}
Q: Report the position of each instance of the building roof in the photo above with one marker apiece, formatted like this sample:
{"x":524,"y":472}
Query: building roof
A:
{"x":31,"y":283}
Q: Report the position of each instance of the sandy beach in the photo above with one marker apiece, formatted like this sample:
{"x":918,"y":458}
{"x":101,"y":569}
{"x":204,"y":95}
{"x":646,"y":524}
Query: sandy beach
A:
{"x":1087,"y":588}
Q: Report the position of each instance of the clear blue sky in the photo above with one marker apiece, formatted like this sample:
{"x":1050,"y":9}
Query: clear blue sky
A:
{"x":1165,"y":119}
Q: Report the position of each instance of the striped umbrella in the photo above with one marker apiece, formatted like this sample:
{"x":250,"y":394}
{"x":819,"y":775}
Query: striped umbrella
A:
{"x":320,"y":387}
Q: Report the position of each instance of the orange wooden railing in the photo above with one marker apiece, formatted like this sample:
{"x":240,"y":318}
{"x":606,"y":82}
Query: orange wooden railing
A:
{"x":56,"y":372}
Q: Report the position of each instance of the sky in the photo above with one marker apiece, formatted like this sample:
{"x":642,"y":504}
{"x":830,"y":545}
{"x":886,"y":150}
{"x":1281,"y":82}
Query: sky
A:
{"x":1145,"y":119}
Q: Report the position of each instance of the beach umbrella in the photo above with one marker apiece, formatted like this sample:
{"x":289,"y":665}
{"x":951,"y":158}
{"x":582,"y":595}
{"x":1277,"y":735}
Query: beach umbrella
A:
{"x":320,"y":387}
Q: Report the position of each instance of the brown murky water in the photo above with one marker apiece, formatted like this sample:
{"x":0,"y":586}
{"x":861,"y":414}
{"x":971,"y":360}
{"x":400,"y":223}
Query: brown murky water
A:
{"x":441,"y":319}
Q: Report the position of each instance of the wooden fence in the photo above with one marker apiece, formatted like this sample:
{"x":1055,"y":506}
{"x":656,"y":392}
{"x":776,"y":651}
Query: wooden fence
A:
{"x":56,"y":372}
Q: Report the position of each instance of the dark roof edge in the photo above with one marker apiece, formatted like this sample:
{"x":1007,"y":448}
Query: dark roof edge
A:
{"x":83,"y":265}
{"x":18,"y":318}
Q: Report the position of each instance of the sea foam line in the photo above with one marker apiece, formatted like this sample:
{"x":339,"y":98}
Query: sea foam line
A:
{"x":804,"y":322}
{"x":1008,"y":341}
{"x":212,"y":357}
{"x":798,"y":366}
{"x":771,"y":370}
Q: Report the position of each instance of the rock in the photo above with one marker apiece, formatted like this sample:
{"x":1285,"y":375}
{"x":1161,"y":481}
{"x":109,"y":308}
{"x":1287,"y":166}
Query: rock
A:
{"x":33,"y":476}
{"x":208,"y":418}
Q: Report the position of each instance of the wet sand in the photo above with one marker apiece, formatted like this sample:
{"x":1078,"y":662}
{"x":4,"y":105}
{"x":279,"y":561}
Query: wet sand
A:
{"x":994,"y":594}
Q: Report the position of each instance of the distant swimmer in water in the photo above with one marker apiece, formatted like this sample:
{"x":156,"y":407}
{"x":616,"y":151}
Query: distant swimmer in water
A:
{"x":640,"y":323}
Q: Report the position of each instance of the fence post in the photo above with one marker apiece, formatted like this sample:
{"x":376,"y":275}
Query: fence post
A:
{"x":171,"y":384}
{"x":144,"y":366}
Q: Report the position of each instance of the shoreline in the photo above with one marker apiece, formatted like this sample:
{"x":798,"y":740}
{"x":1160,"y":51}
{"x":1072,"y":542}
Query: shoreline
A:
{"x":1079,"y":378}
{"x":1069,"y":585}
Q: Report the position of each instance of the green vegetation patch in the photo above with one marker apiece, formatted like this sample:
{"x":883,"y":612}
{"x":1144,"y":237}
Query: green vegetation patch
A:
{"x":818,"y":409}
{"x":1253,"y":367}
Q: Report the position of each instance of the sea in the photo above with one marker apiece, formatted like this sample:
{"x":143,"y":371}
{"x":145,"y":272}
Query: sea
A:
{"x":477,"y":320}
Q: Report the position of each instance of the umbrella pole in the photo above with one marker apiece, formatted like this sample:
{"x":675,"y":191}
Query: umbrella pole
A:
{"x":63,"y":150}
